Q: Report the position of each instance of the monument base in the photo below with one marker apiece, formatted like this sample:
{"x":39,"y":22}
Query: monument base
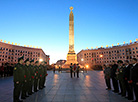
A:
{"x":71,"y":58}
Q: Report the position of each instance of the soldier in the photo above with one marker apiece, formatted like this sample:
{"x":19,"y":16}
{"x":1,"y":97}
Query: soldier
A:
{"x":78,"y":68}
{"x":120,"y":77}
{"x":107,"y":72}
{"x":113,"y":77}
{"x":71,"y":70}
{"x":36,"y":68}
{"x":31,"y":69}
{"x":127,"y":78}
{"x":134,"y":77}
{"x":45,"y":73}
{"x":40,"y":75}
{"x":18,"y":78}
{"x":26,"y":77}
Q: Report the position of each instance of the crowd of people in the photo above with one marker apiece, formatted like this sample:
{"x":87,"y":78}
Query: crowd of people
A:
{"x":124,"y":78}
{"x":6,"y":70}
{"x":28,"y":77}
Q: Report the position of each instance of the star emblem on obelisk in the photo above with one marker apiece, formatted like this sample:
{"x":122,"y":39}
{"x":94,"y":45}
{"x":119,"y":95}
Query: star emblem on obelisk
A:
{"x":71,"y":8}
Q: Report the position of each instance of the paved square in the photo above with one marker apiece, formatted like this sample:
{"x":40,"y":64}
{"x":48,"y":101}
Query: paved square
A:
{"x":90,"y":87}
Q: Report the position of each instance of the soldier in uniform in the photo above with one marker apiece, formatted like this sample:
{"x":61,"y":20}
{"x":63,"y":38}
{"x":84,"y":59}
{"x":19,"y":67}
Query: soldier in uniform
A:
{"x":113,"y":77}
{"x":45,"y":73}
{"x":127,"y":78}
{"x":25,"y":82}
{"x":31,"y":69}
{"x":134,"y":77}
{"x":18,"y":78}
{"x":36,"y":68}
{"x":71,"y":70}
{"x":40,"y":75}
{"x":120,"y":77}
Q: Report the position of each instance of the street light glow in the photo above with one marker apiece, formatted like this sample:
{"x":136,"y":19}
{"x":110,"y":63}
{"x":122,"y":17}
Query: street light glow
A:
{"x":41,"y":60}
{"x":101,"y":56}
{"x":82,"y":59}
{"x":87,"y":66}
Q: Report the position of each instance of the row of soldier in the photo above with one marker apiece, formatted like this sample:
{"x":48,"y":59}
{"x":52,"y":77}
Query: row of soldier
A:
{"x":28,"y":77}
{"x":123,"y":75}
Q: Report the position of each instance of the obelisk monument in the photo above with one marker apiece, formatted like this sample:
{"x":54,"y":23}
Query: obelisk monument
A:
{"x":71,"y":56}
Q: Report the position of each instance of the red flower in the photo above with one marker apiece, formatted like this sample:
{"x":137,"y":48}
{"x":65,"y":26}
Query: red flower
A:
{"x":125,"y":78}
{"x":46,"y":74}
{"x":40,"y":75}
{"x":36,"y":71}
{"x":130,"y":81}
{"x":24,"y":76}
{"x":118,"y":70}
{"x":33,"y":77}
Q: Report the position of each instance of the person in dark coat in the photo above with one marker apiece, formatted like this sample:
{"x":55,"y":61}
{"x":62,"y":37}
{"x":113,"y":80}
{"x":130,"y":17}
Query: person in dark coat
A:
{"x":18,"y":78}
{"x":107,"y":73}
{"x":127,"y":78}
{"x":71,"y":70}
{"x":36,"y":68}
{"x":31,"y":69}
{"x":26,"y":77}
{"x":113,"y":77}
{"x":120,"y":77}
{"x":78,"y":68}
{"x":134,"y":77}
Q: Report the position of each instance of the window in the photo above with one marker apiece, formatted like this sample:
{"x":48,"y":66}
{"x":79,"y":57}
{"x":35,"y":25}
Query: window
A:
{"x":3,"y":48}
{"x":136,"y":48}
{"x":133,"y":48}
{"x":6,"y":49}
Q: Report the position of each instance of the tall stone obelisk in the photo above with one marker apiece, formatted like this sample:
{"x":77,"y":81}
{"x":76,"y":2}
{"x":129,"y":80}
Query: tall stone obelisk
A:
{"x":71,"y":56}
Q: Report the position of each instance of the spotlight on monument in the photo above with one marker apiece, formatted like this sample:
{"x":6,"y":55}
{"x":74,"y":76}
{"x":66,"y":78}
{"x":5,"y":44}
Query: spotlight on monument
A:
{"x":41,"y":60}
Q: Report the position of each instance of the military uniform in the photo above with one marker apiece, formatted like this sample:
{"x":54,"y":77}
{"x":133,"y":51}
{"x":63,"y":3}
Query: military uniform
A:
{"x":36,"y":68}
{"x":31,"y":69}
{"x":26,"y":80}
{"x":113,"y":77}
{"x":127,"y":78}
{"x":40,"y":72}
{"x":44,"y":74}
{"x":18,"y":79}
{"x":134,"y":79}
{"x":120,"y":77}
{"x":107,"y":73}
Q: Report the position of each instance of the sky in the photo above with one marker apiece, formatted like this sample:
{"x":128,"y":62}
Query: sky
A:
{"x":45,"y":23}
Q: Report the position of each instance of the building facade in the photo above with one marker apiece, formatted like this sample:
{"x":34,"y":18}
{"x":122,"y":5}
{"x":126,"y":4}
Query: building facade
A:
{"x":10,"y":53}
{"x":101,"y":55}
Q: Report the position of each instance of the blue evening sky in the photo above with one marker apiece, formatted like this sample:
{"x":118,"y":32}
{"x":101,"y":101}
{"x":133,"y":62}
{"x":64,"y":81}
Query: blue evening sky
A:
{"x":45,"y":23}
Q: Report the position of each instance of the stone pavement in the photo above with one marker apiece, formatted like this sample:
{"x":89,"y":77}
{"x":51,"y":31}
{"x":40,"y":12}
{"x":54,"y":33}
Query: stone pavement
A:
{"x":90,"y":87}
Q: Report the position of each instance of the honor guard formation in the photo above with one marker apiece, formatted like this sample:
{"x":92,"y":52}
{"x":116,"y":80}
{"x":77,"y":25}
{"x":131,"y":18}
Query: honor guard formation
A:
{"x":28,"y":77}
{"x":123,"y":75}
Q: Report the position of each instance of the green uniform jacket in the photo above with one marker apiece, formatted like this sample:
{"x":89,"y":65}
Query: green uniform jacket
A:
{"x":40,"y":72}
{"x":18,"y":73}
{"x":36,"y":71}
{"x":32,"y":73}
{"x":120,"y":76}
{"x":27,"y":73}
